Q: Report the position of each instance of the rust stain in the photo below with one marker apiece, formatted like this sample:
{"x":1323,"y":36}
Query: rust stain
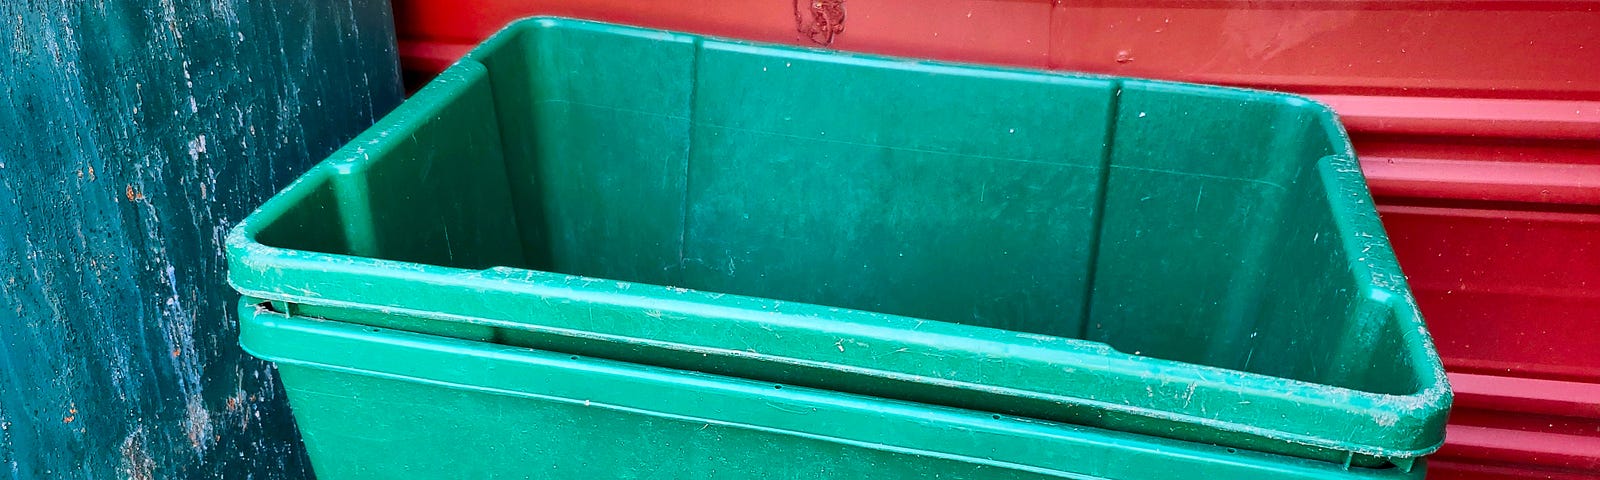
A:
{"x":819,"y":20}
{"x":198,"y":421}
{"x":133,"y":195}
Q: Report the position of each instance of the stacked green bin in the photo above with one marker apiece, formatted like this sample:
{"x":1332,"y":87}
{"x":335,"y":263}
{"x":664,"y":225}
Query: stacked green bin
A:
{"x":586,"y":245}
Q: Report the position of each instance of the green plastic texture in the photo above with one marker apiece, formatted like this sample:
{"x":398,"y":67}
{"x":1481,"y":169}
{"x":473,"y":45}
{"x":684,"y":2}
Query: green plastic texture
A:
{"x":1181,"y":261}
{"x":371,"y":403}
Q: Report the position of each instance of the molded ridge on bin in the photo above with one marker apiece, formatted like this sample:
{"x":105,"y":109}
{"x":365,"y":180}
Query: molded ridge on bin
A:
{"x":370,"y":401}
{"x":1181,"y":261}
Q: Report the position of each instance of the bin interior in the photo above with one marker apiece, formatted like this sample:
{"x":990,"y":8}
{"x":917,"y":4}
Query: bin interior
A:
{"x":1172,"y":221}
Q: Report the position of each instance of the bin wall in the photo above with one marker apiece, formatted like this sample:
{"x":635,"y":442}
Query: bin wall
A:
{"x":132,"y":136}
{"x":575,"y":145}
{"x":372,"y":402}
{"x":1475,"y":121}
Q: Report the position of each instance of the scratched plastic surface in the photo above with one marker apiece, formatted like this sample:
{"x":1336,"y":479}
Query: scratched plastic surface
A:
{"x":1173,"y":260}
{"x":370,"y":402}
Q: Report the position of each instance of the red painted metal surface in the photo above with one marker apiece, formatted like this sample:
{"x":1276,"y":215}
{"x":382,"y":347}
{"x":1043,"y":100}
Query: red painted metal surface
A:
{"x":1506,"y":427}
{"x":1512,"y":298}
{"x":1515,"y":292}
{"x":1441,"y":469}
{"x":1421,"y":48}
{"x":1477,"y":122}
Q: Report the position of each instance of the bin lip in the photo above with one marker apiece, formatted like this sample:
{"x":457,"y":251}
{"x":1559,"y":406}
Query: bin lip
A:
{"x":1418,"y":408}
{"x":334,"y":339}
{"x":1423,"y":409}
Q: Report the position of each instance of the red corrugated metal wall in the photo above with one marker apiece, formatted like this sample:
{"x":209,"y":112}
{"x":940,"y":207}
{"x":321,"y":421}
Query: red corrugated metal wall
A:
{"x":1477,"y":122}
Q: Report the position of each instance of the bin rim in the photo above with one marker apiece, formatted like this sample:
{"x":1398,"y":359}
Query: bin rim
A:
{"x":292,"y":340}
{"x":257,"y":270}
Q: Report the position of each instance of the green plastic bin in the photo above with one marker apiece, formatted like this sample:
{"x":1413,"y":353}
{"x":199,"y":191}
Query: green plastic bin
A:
{"x":1178,"y":261}
{"x":376,"y":403}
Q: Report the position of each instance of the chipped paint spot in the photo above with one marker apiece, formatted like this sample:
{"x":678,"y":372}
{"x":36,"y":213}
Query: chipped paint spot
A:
{"x":198,"y":421}
{"x":135,"y":461}
{"x":819,"y":20}
{"x":197,"y":147}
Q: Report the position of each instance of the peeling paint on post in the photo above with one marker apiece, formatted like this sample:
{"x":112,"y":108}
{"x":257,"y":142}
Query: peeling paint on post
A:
{"x":133,"y":134}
